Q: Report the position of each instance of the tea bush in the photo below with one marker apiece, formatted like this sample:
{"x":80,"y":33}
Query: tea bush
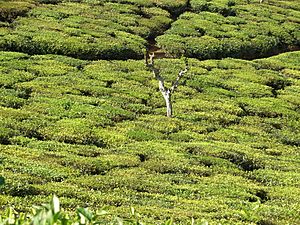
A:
{"x":95,"y":133}
{"x":219,"y":29}
{"x":11,"y":9}
{"x":174,"y":7}
{"x":52,"y":213}
{"x":87,"y":30}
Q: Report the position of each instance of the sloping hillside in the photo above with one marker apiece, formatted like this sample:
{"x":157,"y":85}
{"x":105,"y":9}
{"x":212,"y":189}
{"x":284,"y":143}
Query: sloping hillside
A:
{"x":82,"y":117}
{"x":95,"y":133}
{"x":123,"y":29}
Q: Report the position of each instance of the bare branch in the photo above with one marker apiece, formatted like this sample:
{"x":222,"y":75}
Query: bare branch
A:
{"x":156,"y":72}
{"x":180,"y":75}
{"x":151,"y":57}
{"x":167,"y":93}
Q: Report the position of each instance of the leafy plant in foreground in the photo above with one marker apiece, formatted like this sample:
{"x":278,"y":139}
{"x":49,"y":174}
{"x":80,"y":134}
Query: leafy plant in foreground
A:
{"x":51,"y":213}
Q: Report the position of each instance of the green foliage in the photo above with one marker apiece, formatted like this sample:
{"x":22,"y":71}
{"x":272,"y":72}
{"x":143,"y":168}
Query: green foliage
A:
{"x":110,"y":31}
{"x":174,"y":6}
{"x":95,"y":133}
{"x":52,"y":213}
{"x":11,"y":9}
{"x":218,"y":29}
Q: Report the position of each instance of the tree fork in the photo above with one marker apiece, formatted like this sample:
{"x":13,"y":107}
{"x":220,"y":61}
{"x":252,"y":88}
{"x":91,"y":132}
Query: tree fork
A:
{"x":166,"y":92}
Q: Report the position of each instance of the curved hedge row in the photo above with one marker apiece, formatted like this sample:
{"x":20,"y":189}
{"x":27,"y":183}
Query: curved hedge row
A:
{"x":9,"y":10}
{"x":219,"y":29}
{"x":173,"y":6}
{"x":102,"y":30}
{"x":95,"y":133}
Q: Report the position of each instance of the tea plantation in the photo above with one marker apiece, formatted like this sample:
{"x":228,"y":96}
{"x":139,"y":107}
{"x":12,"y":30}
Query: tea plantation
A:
{"x":82,"y":117}
{"x":234,"y":28}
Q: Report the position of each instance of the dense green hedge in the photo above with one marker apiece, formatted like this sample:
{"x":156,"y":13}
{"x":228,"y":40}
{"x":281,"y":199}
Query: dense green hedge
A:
{"x":9,"y":10}
{"x":173,"y":6}
{"x":63,"y":29}
{"x":95,"y":133}
{"x":219,"y":29}
{"x":53,"y":214}
{"x":119,"y":29}
{"x":105,"y":30}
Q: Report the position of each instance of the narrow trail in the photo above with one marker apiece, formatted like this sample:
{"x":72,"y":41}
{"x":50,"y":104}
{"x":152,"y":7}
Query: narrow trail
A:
{"x":158,"y":52}
{"x":152,"y":45}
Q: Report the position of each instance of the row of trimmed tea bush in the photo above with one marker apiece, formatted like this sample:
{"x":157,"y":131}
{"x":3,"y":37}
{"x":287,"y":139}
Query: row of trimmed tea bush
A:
{"x":117,"y":30}
{"x":95,"y":133}
{"x":175,"y":7}
{"x":59,"y":93}
{"x":53,"y":214}
{"x":10,"y":10}
{"x":219,"y":29}
{"x":109,"y":30}
{"x":77,"y":36}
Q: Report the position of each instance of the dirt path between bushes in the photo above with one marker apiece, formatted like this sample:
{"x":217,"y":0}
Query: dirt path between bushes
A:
{"x":152,"y":44}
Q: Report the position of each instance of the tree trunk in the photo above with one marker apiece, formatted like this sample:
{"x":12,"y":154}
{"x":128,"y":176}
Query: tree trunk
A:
{"x":167,"y":97}
{"x":167,"y":93}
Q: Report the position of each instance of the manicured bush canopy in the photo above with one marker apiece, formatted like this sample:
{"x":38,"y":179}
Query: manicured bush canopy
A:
{"x":104,"y":30}
{"x":98,"y":136}
{"x":82,"y":118}
{"x":218,"y":29}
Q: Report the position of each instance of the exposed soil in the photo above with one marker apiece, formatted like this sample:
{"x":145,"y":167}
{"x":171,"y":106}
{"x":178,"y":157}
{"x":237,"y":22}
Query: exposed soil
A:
{"x":152,"y":45}
{"x":158,"y":52}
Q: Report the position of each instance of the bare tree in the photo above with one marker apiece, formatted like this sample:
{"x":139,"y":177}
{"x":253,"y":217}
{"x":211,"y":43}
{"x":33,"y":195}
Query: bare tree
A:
{"x":166,"y":92}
